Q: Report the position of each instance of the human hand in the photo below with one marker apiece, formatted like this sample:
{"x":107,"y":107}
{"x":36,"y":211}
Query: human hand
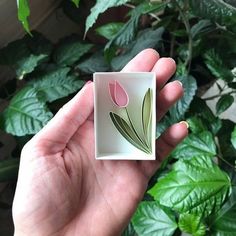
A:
{"x":63,"y":190}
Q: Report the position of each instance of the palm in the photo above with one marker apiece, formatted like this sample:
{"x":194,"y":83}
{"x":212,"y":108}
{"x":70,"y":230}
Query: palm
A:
{"x":63,"y":190}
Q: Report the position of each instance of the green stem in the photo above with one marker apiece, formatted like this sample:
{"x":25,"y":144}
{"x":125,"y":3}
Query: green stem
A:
{"x":190,"y":39}
{"x":219,"y":95}
{"x":132,"y":126}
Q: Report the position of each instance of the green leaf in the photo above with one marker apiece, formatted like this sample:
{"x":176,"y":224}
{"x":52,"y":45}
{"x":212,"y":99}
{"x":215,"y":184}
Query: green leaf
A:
{"x":215,"y":10}
{"x":26,"y":54}
{"x":148,"y":38}
{"x":26,"y":113}
{"x":129,"y":29}
{"x":232,"y":85}
{"x":196,"y":186}
{"x":217,"y":67}
{"x":223,"y":223}
{"x":196,"y":124}
{"x":192,"y":224}
{"x":95,"y":63}
{"x":153,"y":219}
{"x":147,"y":117}
{"x":23,"y":13}
{"x":9,"y":169}
{"x":100,"y":7}
{"x":109,"y":30}
{"x":127,"y":132}
{"x":233,"y":137}
{"x":201,"y":144}
{"x":190,"y":86}
{"x":129,"y":231}
{"x":69,"y":51}
{"x":201,"y":27}
{"x":224,"y":103}
{"x":76,"y":2}
{"x":56,"y":84}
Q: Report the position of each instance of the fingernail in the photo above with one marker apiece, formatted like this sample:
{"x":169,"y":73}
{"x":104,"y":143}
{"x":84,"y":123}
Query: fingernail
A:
{"x":184,"y":122}
{"x":179,"y":83}
{"x":88,"y":82}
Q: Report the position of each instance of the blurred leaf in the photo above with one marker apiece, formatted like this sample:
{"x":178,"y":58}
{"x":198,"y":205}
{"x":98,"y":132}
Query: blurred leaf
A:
{"x":199,"y":106}
{"x":9,"y":169}
{"x":233,"y":137}
{"x":201,"y":27}
{"x":95,"y":63}
{"x":196,"y":124}
{"x":232,"y":85}
{"x":196,"y":186}
{"x":146,"y":39}
{"x":69,"y":51}
{"x":23,"y":13}
{"x":201,"y":144}
{"x":153,"y":219}
{"x":100,"y":7}
{"x":192,"y":224}
{"x":224,"y":103}
{"x":26,"y":113}
{"x":215,"y":10}
{"x":109,"y":30}
{"x":129,"y":29}
{"x":190,"y":86}
{"x":215,"y":64}
{"x":129,"y":231}
{"x":223,"y":223}
{"x":24,"y":55}
{"x":56,"y":84}
{"x":76,"y":2}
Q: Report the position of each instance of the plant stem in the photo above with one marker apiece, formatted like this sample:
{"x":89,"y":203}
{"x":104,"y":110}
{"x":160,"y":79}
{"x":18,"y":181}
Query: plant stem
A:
{"x":190,"y":39}
{"x":219,"y":95}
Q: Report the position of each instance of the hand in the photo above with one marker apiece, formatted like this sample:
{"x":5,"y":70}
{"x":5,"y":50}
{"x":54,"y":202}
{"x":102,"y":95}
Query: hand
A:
{"x":63,"y":190}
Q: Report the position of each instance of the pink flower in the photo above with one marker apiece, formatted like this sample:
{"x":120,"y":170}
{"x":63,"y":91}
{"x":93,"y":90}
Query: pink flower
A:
{"x":118,"y":95}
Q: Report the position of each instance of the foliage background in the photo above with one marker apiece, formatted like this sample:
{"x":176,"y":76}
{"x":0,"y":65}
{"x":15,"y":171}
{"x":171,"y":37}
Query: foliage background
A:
{"x":194,"y":191}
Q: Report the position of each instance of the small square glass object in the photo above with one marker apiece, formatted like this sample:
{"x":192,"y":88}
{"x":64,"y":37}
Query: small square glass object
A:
{"x":125,"y":115}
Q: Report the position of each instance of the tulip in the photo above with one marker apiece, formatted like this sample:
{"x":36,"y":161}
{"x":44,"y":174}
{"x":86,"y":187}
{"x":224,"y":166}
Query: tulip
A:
{"x":118,"y":94}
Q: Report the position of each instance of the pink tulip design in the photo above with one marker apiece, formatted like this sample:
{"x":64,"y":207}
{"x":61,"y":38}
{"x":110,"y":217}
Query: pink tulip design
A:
{"x":118,"y":94}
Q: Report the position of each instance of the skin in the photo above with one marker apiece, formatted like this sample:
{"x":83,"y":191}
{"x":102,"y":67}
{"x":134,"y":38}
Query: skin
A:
{"x":63,"y":190}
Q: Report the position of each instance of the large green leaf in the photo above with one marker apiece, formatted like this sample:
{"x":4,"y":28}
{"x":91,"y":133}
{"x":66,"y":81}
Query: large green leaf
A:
{"x":190,"y":86}
{"x":9,"y":169}
{"x":153,"y":219}
{"x":216,"y":10}
{"x":56,"y":84}
{"x":26,"y":113}
{"x":109,"y":30}
{"x":223,"y":223}
{"x":216,"y":65}
{"x":147,"y":117}
{"x":95,"y":63}
{"x":128,"y":132}
{"x":100,"y":7}
{"x":201,"y":144}
{"x":24,"y":55}
{"x":196,"y":186}
{"x":69,"y":51}
{"x":233,"y":137}
{"x":192,"y":224}
{"x":148,"y":38}
{"x":129,"y":29}
{"x":23,"y":13}
{"x":224,"y":103}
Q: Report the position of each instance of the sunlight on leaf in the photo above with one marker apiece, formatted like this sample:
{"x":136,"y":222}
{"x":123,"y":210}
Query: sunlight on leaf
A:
{"x":23,"y":13}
